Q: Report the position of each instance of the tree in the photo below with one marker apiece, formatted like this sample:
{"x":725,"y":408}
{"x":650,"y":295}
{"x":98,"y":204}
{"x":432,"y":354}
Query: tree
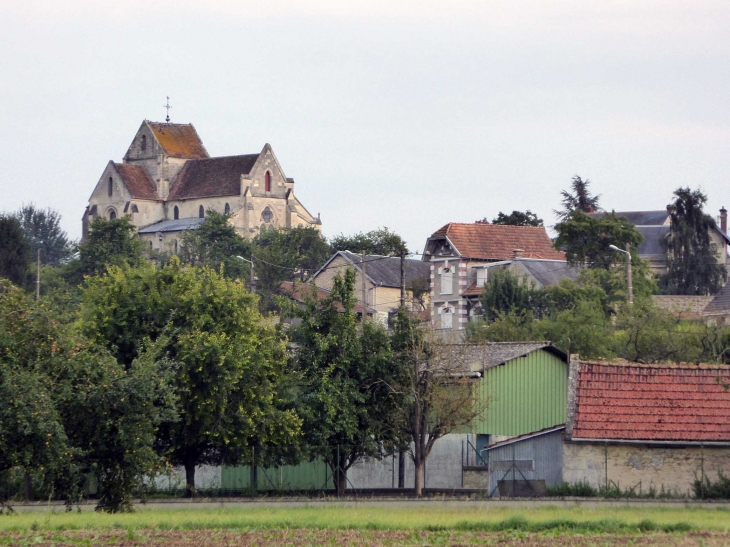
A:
{"x":505,"y":293}
{"x":15,"y":257}
{"x":376,"y":242}
{"x":436,"y":385}
{"x":42,"y":228}
{"x":692,"y":259}
{"x":346,"y":398}
{"x":517,"y":218}
{"x":228,"y":361}
{"x":580,"y":200}
{"x":586,"y":240}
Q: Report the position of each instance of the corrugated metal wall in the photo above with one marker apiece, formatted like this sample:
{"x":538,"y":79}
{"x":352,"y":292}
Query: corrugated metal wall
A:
{"x":545,"y":452}
{"x":525,"y":395}
{"x":287,"y":478}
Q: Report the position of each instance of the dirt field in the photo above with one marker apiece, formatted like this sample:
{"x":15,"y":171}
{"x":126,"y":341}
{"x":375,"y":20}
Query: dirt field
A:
{"x":351,"y":538}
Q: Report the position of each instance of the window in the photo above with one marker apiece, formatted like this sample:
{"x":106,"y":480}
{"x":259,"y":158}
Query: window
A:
{"x":201,"y":212}
{"x":112,"y":215}
{"x":267,"y":182}
{"x":267,"y":215}
{"x":144,"y":143}
{"x":176,"y":246}
{"x":447,"y":280}
{"x":226,"y":209}
{"x":111,"y":186}
{"x":176,"y":213}
{"x":446,"y":317}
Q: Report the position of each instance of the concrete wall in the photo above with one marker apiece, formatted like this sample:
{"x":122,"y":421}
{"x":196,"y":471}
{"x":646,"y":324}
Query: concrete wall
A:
{"x":206,"y":477}
{"x":672,"y":468}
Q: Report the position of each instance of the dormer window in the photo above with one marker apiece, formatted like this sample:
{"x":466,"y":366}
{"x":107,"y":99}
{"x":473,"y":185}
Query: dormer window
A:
{"x":201,"y":212}
{"x":111,"y":187}
{"x":143,"y":146}
{"x":267,"y":182}
{"x":176,"y":213}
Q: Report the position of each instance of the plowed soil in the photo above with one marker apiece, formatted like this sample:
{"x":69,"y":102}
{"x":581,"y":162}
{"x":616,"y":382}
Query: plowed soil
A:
{"x":351,"y":538}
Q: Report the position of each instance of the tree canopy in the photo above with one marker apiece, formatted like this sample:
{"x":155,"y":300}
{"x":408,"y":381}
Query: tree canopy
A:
{"x":42,"y":229}
{"x":518,"y":218}
{"x":579,"y":200}
{"x":15,"y":255}
{"x":375,"y":242}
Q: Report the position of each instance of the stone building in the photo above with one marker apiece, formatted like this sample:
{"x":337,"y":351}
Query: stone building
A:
{"x":167,"y":181}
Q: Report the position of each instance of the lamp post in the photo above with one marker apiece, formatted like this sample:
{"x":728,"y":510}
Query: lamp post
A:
{"x":253,"y":282}
{"x":628,"y":269}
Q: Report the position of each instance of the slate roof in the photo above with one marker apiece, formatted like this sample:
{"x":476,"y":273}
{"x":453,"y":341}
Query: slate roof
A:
{"x":296,"y":291}
{"x":179,"y":140}
{"x":622,"y":401}
{"x":720,"y":304}
{"x":654,"y":237}
{"x":137,"y":181}
{"x":639,"y":218}
{"x":212,"y":177}
{"x":549,"y":272}
{"x":173,"y":225}
{"x":499,"y":353}
{"x":497,"y":242}
{"x":385,"y":270}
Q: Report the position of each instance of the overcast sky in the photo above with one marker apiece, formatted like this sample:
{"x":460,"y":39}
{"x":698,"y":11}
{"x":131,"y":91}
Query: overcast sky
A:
{"x":401,"y":113}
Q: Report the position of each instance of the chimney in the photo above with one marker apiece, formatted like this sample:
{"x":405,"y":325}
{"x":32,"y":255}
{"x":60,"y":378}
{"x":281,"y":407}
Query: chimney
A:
{"x":723,"y":220}
{"x":516,"y":253}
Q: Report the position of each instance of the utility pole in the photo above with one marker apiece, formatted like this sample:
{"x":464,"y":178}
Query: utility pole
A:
{"x":629,"y":284}
{"x":402,"y":278}
{"x":364,"y":289}
{"x":252,"y":285}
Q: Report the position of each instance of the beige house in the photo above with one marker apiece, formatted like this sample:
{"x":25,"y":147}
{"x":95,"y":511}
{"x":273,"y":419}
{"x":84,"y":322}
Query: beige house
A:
{"x":167,"y":181}
{"x":382,"y":281}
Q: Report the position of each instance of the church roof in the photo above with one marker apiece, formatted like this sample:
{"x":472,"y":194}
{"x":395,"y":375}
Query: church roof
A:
{"x":137,"y":181}
{"x":212,"y":177}
{"x":179,"y":140}
{"x":498,"y":241}
{"x":192,"y":223}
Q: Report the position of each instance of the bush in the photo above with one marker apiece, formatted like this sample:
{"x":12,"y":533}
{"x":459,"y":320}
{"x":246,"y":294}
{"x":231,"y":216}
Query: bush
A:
{"x":706,"y":489}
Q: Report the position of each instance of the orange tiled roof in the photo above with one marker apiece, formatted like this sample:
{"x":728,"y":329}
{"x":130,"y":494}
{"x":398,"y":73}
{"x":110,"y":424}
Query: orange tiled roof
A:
{"x":497,"y":241}
{"x":179,"y":140}
{"x":652,"y":402}
{"x":137,"y":181}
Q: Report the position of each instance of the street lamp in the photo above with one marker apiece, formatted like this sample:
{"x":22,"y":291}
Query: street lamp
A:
{"x":628,"y":270}
{"x":253,"y":283}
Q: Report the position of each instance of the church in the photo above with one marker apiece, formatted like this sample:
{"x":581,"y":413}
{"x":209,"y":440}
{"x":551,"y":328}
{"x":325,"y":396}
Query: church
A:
{"x":167,"y":182}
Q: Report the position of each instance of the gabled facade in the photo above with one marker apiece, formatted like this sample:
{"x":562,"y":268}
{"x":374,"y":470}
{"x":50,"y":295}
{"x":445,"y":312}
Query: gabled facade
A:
{"x":168,"y":175}
{"x":456,"y":254}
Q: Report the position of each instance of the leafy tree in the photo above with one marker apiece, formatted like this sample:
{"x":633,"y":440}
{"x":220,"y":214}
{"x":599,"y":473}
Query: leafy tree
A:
{"x":580,"y":200}
{"x":505,"y":292}
{"x":376,"y":242}
{"x":228,"y":361}
{"x":15,"y":254}
{"x":346,"y":400}
{"x":517,"y":218}
{"x":586,"y":240}
{"x":42,"y":228}
{"x":216,"y":243}
{"x":692,"y":259}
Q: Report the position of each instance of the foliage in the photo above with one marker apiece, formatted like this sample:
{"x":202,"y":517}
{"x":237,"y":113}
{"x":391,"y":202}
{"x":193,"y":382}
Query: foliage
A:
{"x":505,"y":292}
{"x":216,"y":244}
{"x":376,"y":242}
{"x":586,"y":240}
{"x":68,"y":409}
{"x":580,"y":200}
{"x":704,"y":488}
{"x":345,"y":401}
{"x":692,"y":262}
{"x":15,"y":257}
{"x":518,"y":218}
{"x":228,"y":362}
{"x":42,"y":228}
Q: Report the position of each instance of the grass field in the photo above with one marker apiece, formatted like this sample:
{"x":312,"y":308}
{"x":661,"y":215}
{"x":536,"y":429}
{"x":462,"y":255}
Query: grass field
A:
{"x":375,"y":525}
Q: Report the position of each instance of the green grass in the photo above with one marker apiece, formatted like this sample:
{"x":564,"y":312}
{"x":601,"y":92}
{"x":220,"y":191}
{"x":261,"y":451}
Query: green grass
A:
{"x":426,"y":517}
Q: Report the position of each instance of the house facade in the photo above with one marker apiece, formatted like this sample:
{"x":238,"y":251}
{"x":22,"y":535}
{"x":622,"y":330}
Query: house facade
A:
{"x":459,"y":257}
{"x":167,"y":181}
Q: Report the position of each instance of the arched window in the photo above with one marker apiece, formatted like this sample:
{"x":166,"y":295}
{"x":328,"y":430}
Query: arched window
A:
{"x":267,"y":182}
{"x":201,"y":212}
{"x":144,"y":143}
{"x":176,"y":213}
{"x":112,"y":215}
{"x":226,"y":209}
{"x":111,"y":186}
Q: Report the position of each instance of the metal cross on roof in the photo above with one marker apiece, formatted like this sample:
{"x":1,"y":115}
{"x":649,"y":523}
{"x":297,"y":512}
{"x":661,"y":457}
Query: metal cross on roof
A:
{"x":168,"y":107}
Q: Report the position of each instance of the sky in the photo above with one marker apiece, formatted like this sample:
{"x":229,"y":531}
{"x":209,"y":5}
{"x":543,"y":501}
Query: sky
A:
{"x":402,"y":113}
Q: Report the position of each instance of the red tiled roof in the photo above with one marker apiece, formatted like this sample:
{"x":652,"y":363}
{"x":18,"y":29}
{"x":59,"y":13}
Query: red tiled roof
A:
{"x":137,"y":181}
{"x":473,"y":290}
{"x":211,"y":177}
{"x":179,"y":140}
{"x":498,"y":241}
{"x":652,"y":402}
{"x":295,"y":292}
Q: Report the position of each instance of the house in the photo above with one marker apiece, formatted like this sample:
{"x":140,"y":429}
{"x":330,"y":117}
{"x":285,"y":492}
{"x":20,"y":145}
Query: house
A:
{"x":167,"y":181}
{"x":654,"y":226}
{"x":459,"y":257}
{"x":298,"y":292}
{"x":717,"y":310}
{"x":646,"y":426}
{"x":382,"y":280}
